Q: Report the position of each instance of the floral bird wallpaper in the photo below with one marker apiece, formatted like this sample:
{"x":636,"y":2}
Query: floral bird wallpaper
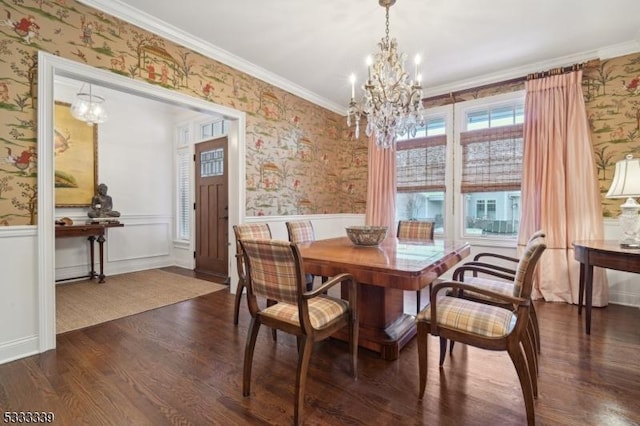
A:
{"x":301,"y":158}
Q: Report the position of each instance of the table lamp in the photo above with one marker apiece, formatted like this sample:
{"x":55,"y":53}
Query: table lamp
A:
{"x":626,"y":184}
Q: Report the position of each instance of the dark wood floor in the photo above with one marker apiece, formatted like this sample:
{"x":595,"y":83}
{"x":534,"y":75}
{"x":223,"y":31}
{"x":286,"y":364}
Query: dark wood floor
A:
{"x":182,"y":364}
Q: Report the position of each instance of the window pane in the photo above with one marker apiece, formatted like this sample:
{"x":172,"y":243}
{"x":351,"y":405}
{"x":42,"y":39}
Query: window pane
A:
{"x":183,"y":136}
{"x":519,"y":114}
{"x":421,"y":206}
{"x":436,"y":126}
{"x":206,"y":131}
{"x":478,"y":120}
{"x":492,"y":213}
{"x":212,"y":163}
{"x":502,"y":116}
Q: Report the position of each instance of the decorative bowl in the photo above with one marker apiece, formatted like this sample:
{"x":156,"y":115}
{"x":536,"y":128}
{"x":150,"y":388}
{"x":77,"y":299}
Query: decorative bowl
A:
{"x":366,"y":235}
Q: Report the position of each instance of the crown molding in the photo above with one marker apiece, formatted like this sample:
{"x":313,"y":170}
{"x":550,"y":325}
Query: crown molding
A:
{"x":145,"y":21}
{"x":612,"y":51}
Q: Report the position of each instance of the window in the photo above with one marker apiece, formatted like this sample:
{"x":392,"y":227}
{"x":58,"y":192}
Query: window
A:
{"x":420,"y":168}
{"x":491,"y":147}
{"x":212,"y":129}
{"x":465,"y":175}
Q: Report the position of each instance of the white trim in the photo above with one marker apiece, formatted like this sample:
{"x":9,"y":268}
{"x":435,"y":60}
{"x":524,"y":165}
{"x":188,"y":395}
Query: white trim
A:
{"x":607,"y":52}
{"x":19,"y":348}
{"x":50,"y":66}
{"x":18,"y":231}
{"x":144,"y":20}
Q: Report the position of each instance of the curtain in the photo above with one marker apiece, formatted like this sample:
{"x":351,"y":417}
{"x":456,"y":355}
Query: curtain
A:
{"x":381,"y":187}
{"x":560,"y":190}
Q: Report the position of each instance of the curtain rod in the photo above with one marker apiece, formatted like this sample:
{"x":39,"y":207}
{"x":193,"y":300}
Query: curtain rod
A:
{"x":554,"y":71}
{"x":563,"y":70}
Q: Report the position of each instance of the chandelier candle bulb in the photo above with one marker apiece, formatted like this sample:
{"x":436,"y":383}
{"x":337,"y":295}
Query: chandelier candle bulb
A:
{"x":352,"y":78}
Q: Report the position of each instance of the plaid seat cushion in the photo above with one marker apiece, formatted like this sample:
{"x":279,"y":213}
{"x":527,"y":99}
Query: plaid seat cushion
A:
{"x":322,"y":310}
{"x":471,"y":317}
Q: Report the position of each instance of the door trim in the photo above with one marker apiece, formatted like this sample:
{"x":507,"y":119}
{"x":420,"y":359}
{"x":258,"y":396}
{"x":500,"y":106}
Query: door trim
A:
{"x":50,"y":66}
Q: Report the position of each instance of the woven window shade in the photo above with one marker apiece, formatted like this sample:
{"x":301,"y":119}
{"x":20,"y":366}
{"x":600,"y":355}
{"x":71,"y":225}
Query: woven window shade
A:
{"x":492,"y":159}
{"x":420,"y":164}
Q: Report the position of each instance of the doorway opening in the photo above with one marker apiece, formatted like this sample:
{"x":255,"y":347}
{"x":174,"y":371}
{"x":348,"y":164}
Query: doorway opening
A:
{"x":50,"y":66}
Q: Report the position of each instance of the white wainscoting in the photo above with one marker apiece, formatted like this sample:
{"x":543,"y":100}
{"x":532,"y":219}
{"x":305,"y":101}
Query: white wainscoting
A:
{"x":143,"y":243}
{"x":19,"y":289}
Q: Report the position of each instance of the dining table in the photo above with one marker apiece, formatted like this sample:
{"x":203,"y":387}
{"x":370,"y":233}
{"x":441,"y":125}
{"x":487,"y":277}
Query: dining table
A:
{"x":383,"y":272}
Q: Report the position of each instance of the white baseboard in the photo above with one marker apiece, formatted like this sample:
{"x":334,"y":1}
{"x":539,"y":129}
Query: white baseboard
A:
{"x":19,"y":348}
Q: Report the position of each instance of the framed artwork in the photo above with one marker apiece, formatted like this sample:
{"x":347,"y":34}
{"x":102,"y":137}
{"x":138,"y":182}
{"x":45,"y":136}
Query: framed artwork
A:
{"x":76,"y":158}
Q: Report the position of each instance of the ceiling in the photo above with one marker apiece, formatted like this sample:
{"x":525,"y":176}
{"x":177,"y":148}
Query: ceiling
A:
{"x":311,"y":47}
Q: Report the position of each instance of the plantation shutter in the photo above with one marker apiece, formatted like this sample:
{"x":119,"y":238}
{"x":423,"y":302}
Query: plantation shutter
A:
{"x":492,"y":159}
{"x":184,"y":208}
{"x":420,"y":164}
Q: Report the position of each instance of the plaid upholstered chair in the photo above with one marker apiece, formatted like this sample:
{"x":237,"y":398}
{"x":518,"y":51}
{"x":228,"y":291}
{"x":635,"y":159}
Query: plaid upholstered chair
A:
{"x":275,"y":271}
{"x":301,"y":231}
{"x":256,"y":231}
{"x":416,"y":230}
{"x":496,"y":276}
{"x":483,"y":325}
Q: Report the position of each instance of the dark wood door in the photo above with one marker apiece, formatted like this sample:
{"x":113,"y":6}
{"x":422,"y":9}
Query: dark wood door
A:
{"x":212,"y":207}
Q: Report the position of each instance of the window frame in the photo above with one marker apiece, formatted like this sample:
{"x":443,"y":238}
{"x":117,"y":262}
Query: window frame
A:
{"x":446,"y":113}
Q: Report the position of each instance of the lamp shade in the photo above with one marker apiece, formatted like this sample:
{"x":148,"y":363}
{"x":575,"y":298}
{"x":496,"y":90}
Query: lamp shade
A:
{"x":89,"y":107}
{"x":626,"y":181}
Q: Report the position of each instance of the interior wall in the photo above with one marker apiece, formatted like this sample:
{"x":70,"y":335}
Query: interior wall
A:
{"x":135,"y":160}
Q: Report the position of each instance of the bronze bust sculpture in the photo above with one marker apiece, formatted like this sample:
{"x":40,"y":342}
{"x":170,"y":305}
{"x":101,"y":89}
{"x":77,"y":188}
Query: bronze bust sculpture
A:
{"x":102,"y":204}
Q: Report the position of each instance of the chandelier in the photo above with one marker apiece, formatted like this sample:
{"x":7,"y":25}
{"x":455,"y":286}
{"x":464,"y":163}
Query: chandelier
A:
{"x":392,"y":103}
{"x":88,"y":107}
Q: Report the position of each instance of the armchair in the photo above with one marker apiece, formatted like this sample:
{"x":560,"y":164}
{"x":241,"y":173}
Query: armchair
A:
{"x":482,"y":325}
{"x":275,"y":271}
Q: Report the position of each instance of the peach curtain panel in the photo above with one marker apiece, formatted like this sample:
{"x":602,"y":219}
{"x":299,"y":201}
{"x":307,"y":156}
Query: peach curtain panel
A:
{"x":381,"y":187}
{"x":560,"y":191}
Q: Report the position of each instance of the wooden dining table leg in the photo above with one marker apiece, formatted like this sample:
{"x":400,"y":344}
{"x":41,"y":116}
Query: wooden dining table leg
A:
{"x":384,"y":327}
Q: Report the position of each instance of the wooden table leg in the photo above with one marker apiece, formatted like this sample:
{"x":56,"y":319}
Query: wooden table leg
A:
{"x":101,"y":249}
{"x":588,"y":280}
{"x":92,"y":271}
{"x":581,"y":289}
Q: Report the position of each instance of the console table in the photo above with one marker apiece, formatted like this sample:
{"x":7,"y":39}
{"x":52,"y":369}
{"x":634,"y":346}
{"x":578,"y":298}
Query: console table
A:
{"x":92,"y":232}
{"x":605,"y":254}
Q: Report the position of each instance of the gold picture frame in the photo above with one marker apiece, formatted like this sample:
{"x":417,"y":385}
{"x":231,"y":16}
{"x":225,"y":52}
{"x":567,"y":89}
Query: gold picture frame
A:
{"x":76,"y":158}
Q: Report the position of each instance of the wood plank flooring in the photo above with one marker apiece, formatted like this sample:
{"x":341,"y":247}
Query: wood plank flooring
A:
{"x":182,"y":364}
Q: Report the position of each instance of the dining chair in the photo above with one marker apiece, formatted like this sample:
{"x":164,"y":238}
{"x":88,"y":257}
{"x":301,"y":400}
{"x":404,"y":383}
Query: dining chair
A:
{"x":416,"y":230}
{"x":275,"y":270}
{"x":496,"y":276}
{"x":301,"y":231}
{"x":482,"y":325}
{"x":246,"y":231}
